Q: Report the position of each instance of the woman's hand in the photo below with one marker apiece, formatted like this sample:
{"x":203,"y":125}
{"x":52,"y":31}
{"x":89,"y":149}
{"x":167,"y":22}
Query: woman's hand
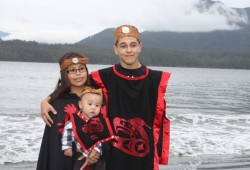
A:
{"x":46,"y":107}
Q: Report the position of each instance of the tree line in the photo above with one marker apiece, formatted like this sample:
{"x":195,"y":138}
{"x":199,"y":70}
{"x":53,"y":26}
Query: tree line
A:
{"x":30,"y":51}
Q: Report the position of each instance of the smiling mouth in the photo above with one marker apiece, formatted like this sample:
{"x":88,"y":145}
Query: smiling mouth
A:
{"x":79,"y":79}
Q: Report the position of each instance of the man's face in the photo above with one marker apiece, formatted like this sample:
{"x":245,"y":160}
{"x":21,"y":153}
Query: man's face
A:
{"x":128,"y":49}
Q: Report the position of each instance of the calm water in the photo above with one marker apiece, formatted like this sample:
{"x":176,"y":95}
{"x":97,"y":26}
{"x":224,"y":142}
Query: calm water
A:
{"x":209,"y":109}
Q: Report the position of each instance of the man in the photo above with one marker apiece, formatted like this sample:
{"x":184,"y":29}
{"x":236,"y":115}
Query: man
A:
{"x":135,"y":106}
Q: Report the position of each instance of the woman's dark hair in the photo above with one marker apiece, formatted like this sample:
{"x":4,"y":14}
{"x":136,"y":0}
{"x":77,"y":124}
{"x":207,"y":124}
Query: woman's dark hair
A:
{"x":63,"y":85}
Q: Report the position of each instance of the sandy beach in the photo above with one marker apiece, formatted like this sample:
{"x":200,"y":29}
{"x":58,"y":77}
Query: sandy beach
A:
{"x":208,"y":162}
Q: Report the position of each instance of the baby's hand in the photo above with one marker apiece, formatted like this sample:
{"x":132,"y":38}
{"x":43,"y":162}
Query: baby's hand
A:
{"x":68,"y":152}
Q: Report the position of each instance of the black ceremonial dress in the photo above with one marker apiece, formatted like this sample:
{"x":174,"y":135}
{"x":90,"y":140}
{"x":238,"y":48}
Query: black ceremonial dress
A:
{"x":51,"y":156}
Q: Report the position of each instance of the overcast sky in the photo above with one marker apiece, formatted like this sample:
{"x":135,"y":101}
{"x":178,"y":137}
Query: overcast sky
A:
{"x":69,"y":21}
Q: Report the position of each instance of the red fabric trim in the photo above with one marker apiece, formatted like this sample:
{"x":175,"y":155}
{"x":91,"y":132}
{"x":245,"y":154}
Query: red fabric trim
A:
{"x":109,"y":128}
{"x":75,"y":133}
{"x":166,"y":142}
{"x":88,"y":168}
{"x":130,"y":78}
{"x":82,"y":117}
{"x":96,"y":77}
{"x":158,"y":120}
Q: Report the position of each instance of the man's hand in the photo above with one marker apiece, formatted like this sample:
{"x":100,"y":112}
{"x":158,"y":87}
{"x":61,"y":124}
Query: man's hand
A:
{"x":85,"y":163}
{"x":91,"y":159}
{"x":45,"y":109}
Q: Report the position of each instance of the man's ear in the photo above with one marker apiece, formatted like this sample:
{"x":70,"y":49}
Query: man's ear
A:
{"x":115,"y":49}
{"x":140,"y":47}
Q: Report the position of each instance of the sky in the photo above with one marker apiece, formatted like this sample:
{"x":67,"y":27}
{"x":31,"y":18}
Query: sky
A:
{"x":69,"y":21}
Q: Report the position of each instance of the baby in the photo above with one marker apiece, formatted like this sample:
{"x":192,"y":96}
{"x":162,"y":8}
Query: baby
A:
{"x":90,"y":105}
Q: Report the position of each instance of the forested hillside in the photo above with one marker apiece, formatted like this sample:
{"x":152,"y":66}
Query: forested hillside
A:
{"x":34,"y":52}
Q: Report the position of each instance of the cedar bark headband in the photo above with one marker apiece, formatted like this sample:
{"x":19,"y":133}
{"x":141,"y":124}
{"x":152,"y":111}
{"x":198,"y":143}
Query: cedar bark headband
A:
{"x":75,"y":60}
{"x":88,"y":89}
{"x":126,"y":31}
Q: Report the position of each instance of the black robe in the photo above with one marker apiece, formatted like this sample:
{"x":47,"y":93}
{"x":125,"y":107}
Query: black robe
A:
{"x":51,"y":156}
{"x":136,"y":109}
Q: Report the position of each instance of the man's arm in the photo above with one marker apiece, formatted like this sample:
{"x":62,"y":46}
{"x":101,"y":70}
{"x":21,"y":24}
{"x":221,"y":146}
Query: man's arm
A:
{"x":46,"y":107}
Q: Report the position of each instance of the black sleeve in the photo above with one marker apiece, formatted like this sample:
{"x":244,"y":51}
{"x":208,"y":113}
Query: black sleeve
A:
{"x":92,"y":82}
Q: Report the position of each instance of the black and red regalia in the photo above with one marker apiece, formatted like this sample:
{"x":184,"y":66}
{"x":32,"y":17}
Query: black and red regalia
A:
{"x":135,"y":106}
{"x":51,"y":156}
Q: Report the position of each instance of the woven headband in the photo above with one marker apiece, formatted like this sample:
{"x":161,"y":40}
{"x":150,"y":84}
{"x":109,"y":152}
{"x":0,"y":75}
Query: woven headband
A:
{"x":126,"y":31}
{"x":88,"y":89}
{"x":75,"y":60}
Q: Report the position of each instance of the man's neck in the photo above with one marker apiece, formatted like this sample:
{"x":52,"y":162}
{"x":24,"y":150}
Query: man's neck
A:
{"x":136,"y":72}
{"x":134,"y":66}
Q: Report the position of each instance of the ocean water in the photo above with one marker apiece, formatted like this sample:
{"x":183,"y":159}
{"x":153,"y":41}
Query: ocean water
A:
{"x":209,"y":110}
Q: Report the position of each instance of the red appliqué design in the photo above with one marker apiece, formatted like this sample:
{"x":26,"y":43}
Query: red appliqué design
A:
{"x":95,"y":125}
{"x":131,"y":136}
{"x":69,"y":108}
{"x":60,"y":127}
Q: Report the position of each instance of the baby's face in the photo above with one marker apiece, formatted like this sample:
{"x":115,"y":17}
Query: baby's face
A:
{"x":91,"y":104}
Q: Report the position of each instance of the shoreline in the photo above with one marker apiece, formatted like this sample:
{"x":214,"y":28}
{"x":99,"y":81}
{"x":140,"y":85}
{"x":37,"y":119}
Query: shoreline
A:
{"x":209,"y":162}
{"x":203,"y":162}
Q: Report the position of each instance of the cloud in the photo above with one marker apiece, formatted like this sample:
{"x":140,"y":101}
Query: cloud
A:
{"x":63,"y":21}
{"x":193,"y":15}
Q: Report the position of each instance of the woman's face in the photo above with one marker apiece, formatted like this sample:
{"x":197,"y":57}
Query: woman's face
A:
{"x":77,"y":75}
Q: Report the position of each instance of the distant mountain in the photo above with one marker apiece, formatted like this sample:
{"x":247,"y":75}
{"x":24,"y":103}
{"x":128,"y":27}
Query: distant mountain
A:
{"x":194,"y":41}
{"x":220,"y":40}
{"x":103,"y":39}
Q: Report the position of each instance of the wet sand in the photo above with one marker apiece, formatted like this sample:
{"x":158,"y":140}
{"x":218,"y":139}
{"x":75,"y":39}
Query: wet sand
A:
{"x":208,"y":162}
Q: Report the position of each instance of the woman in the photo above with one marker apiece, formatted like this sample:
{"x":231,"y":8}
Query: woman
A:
{"x":74,"y":76}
